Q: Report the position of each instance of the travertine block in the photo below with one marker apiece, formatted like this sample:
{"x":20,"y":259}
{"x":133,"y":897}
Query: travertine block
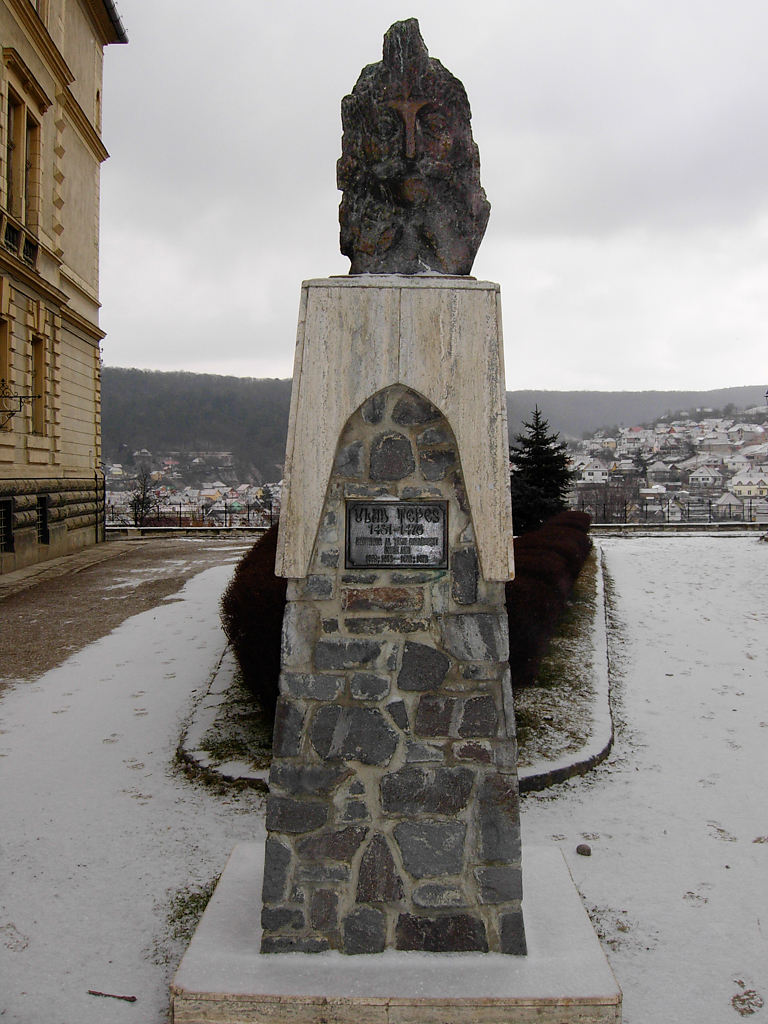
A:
{"x":441,"y":337}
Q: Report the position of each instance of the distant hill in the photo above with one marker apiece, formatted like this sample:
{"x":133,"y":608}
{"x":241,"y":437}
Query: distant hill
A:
{"x":574,"y":413}
{"x":198,"y":411}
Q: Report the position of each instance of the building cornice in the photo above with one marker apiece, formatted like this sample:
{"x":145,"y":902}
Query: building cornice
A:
{"x":15,"y":268}
{"x":13,"y":61}
{"x":86,"y":130}
{"x":38,"y":34}
{"x":93,"y":332}
{"x":106,"y":19}
{"x":75,"y":281}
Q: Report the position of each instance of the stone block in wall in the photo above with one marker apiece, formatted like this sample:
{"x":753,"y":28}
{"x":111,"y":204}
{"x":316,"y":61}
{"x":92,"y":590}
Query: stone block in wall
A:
{"x":282,"y":918}
{"x":364,"y":930}
{"x":391,"y":457}
{"x":387,"y":599}
{"x":300,"y":627}
{"x":276,"y":877}
{"x":431,"y":848}
{"x":437,"y":896}
{"x":465,"y":572}
{"x":434,"y":716}
{"x":339,"y":844}
{"x":378,"y":880}
{"x":377,"y":624}
{"x":499,"y":884}
{"x":423,"y":667}
{"x":353,"y":734}
{"x":479,"y":717}
{"x":324,"y":910}
{"x":512,"y":933}
{"x":287,"y":815}
{"x":478,"y":636}
{"x":369,"y":686}
{"x":287,"y":730}
{"x":418,"y":791}
{"x":448,"y":933}
{"x":306,"y":779}
{"x":349,"y":460}
{"x":336,"y":655}
{"x":498,"y":818}
{"x":312,"y":685}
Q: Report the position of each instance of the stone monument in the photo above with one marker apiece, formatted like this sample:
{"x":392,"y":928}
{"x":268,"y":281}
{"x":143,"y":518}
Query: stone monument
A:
{"x":393,"y":813}
{"x":409,"y":167}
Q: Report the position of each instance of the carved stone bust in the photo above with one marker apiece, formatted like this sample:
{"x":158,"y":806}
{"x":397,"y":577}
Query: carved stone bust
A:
{"x":409,"y":168}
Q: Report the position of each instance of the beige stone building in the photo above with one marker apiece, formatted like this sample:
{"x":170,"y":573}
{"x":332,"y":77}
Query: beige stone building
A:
{"x":51,"y":485}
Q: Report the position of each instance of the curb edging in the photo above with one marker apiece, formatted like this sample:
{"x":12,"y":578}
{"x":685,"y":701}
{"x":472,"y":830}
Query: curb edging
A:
{"x":532,"y":778}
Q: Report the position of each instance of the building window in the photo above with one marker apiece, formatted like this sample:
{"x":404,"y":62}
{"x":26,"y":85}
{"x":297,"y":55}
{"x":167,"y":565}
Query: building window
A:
{"x":5,"y":350}
{"x":22,"y":163}
{"x":6,"y":524}
{"x":14,"y":154}
{"x":5,"y":365}
{"x":42,"y":519}
{"x":31,"y":165}
{"x":38,"y":385}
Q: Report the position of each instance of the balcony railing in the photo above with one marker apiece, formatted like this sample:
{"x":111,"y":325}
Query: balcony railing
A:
{"x":18,"y":240}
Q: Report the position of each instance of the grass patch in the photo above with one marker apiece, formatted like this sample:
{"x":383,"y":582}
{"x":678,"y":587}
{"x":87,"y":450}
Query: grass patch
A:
{"x":182,"y":911}
{"x":554,"y":716}
{"x":186,"y":908}
{"x":242,"y":730}
{"x":566,"y":646}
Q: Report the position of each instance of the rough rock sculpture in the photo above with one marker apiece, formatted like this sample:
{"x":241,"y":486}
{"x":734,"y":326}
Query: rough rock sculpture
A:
{"x":409,"y":167}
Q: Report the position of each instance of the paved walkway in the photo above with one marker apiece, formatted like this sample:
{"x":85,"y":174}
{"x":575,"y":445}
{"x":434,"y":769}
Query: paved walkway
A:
{"x":69,"y":565}
{"x":104,"y":841}
{"x":50,"y":610}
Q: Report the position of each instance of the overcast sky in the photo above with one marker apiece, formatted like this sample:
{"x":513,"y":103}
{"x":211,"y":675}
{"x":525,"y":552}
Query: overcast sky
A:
{"x":623,"y":148}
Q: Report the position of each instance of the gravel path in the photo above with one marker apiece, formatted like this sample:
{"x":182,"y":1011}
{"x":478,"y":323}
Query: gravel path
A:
{"x":56,"y":608}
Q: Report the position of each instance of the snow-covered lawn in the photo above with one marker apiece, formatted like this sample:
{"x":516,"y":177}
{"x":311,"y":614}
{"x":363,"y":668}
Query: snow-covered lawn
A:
{"x":677,"y":817}
{"x":98,"y":829}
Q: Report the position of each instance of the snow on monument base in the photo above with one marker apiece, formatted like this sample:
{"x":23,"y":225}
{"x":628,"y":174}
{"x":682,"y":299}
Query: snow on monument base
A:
{"x":564,"y":979}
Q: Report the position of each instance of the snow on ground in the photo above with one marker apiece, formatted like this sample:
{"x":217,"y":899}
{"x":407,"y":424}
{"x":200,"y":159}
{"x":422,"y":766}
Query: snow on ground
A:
{"x":677,"y":818}
{"x":98,"y":828}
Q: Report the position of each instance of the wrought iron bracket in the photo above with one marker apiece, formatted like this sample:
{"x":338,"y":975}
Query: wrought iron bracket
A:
{"x":7,"y":398}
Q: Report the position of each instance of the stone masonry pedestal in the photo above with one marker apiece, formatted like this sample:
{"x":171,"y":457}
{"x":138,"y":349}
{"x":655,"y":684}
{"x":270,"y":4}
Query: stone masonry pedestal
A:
{"x":393,"y":810}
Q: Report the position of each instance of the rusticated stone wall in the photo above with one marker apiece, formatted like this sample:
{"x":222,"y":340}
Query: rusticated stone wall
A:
{"x":393,"y":810}
{"x":73,"y":517}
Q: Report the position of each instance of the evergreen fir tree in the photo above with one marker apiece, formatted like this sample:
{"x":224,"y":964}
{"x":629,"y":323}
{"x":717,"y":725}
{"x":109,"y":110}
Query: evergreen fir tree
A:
{"x":539,"y":478}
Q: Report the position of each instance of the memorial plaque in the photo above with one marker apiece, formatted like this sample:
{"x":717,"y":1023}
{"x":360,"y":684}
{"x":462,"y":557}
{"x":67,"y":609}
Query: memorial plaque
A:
{"x":397,"y":534}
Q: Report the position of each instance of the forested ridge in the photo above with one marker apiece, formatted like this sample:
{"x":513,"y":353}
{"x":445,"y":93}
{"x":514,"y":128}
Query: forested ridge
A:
{"x":167,"y":411}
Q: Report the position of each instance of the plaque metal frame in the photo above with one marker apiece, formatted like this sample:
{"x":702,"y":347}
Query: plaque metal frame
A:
{"x":398,"y":559}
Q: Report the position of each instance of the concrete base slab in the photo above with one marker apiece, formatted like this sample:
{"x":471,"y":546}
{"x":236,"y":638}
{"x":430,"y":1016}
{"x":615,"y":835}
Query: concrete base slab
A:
{"x":564,"y":979}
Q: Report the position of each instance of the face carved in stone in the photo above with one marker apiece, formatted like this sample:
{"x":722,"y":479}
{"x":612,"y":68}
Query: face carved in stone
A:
{"x":409,"y":169}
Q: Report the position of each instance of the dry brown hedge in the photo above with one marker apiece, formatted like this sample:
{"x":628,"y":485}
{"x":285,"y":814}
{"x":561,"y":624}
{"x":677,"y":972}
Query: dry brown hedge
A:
{"x":252,"y":617}
{"x":547,"y":563}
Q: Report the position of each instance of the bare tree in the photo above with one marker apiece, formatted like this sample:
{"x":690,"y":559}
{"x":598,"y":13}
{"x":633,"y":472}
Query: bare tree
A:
{"x":143,"y":503}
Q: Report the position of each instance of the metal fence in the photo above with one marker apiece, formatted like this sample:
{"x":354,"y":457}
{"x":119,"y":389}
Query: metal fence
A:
{"x":189,"y":514}
{"x":700,"y":510}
